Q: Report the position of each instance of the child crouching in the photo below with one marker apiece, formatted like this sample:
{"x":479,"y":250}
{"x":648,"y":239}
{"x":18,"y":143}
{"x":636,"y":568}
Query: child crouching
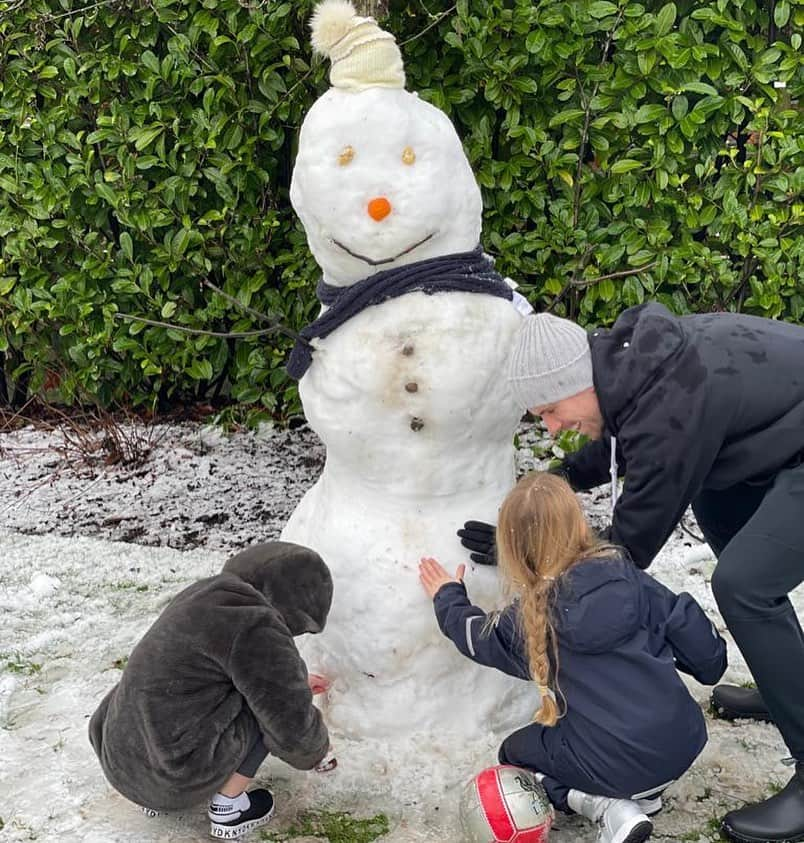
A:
{"x":215,"y":685}
{"x":603,"y":641}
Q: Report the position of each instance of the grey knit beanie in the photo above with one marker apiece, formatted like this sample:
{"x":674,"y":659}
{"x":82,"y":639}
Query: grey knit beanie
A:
{"x":550,"y":361}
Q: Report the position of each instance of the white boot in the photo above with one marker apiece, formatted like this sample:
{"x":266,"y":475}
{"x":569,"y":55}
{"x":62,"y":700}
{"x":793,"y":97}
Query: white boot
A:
{"x":619,"y":820}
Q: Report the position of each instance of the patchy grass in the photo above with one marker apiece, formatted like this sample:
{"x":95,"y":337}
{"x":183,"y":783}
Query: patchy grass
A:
{"x":15,"y":663}
{"x":127,"y":584}
{"x":709,"y":831}
{"x":333,"y":826}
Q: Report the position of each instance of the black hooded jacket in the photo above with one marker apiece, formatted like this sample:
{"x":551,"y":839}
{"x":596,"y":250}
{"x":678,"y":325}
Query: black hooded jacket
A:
{"x":695,"y":402}
{"x":218,"y":670}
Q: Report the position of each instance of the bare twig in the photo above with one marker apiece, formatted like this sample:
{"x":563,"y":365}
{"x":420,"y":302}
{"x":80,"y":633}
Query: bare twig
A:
{"x":80,"y":11}
{"x":232,"y":334}
{"x":691,"y":533}
{"x":429,"y":26}
{"x":590,"y":282}
{"x":237,"y":303}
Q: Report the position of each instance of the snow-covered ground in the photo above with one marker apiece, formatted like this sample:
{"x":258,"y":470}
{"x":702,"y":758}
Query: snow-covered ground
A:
{"x":90,"y":554}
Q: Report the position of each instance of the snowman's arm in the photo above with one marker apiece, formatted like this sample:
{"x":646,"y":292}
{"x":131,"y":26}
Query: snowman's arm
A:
{"x":268,"y":671}
{"x":497,"y":645}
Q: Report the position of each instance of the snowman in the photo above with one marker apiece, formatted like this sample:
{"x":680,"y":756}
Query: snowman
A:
{"x":402,"y":380}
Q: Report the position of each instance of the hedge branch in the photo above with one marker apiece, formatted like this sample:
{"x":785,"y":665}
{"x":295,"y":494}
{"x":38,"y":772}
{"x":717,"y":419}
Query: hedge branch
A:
{"x":589,"y":282}
{"x":226,"y":334}
{"x":438,"y":20}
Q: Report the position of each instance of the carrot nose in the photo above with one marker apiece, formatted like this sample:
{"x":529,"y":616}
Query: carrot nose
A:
{"x":379,"y":208}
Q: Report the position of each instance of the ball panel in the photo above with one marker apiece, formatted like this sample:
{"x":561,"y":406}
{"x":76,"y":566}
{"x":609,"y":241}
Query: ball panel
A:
{"x":490,"y":795}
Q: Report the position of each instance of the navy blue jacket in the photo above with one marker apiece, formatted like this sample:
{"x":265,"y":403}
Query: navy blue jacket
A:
{"x":621,"y":638}
{"x":695,"y":402}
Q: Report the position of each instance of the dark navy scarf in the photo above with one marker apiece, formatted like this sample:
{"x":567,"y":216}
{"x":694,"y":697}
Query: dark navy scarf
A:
{"x":467,"y":272}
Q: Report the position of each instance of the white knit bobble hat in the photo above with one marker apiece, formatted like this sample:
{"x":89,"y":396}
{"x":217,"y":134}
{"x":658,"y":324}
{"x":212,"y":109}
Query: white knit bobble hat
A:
{"x":550,"y":361}
{"x":362,"y":55}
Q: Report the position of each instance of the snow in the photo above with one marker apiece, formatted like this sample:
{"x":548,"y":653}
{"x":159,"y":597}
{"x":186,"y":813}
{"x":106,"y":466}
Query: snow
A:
{"x":74,"y":601}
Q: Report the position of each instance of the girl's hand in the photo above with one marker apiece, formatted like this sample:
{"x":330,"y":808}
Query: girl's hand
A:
{"x":432,"y":575}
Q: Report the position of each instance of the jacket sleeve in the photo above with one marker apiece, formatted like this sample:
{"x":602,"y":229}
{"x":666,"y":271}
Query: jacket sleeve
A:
{"x":268,"y":671}
{"x":499,"y":645}
{"x":698,"y":648}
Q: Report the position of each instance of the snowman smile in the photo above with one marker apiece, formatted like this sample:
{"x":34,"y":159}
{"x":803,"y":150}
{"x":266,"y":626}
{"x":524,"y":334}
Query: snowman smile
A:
{"x":378,"y":262}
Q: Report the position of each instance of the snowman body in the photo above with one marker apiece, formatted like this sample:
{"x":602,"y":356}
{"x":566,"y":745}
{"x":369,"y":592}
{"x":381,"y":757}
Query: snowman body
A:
{"x":410,"y":399}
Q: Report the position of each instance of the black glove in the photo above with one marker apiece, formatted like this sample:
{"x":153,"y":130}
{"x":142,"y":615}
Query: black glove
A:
{"x":481,"y":538}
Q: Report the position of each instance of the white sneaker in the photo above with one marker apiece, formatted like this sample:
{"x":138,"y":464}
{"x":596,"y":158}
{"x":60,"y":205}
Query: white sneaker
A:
{"x":619,"y":820}
{"x":623,"y":821}
{"x":650,"y":806}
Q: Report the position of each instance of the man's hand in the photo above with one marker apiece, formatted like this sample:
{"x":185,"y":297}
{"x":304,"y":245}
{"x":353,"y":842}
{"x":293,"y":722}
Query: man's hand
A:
{"x":480,"y":537}
{"x":432,"y":575}
{"x":318,"y":684}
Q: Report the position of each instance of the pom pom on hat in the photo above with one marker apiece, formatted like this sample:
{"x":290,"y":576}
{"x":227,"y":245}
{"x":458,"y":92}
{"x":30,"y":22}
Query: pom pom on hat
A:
{"x":331,"y":21}
{"x":362,"y":55}
{"x":550,"y":361}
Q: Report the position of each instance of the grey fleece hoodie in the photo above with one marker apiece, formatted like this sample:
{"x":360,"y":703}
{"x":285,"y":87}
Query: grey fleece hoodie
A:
{"x":218,"y":670}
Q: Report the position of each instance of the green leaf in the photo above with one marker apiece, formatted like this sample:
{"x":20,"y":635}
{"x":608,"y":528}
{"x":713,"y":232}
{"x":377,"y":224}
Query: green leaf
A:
{"x":625,"y":165}
{"x":602,"y":9}
{"x":144,"y":137}
{"x":700,"y":88}
{"x":126,"y":245}
{"x":566,"y":116}
{"x":781,"y":13}
{"x":151,"y":62}
{"x":679,"y":106}
{"x":650,"y":113}
{"x":201,"y":370}
{"x":168,"y":309}
{"x":665,"y":19}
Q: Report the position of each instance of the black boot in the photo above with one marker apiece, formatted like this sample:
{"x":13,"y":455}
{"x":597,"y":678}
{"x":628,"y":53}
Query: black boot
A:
{"x":780,"y":818}
{"x":731,"y":702}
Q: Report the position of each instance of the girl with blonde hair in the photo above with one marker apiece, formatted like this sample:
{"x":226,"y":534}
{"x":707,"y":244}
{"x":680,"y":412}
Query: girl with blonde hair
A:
{"x":603,"y":641}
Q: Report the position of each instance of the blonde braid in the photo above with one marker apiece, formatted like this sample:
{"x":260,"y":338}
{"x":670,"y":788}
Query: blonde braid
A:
{"x":535,"y":605}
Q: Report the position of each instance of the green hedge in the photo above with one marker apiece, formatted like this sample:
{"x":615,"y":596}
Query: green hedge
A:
{"x":626,"y":151}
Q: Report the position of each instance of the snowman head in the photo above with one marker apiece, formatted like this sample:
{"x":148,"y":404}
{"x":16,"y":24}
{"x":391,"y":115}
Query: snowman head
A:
{"x":381,"y":179}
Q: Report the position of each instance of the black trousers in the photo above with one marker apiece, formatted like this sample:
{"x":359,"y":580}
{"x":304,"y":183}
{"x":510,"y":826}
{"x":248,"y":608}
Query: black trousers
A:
{"x":757,"y":534}
{"x":251,"y":763}
{"x":544,"y":749}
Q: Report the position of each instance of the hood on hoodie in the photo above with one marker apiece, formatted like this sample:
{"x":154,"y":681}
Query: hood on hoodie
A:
{"x":293,"y":578}
{"x":630,"y":355}
{"x":599,"y":605}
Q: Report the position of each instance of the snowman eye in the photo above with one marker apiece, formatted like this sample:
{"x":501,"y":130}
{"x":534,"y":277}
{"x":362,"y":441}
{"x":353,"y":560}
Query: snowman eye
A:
{"x":408,"y":155}
{"x":346,"y":155}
